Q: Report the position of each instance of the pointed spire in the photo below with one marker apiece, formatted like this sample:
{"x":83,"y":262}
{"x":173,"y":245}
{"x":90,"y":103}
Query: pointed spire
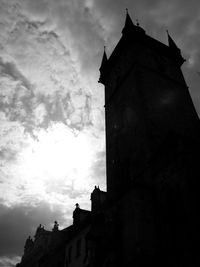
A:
{"x":175,"y":49}
{"x":128,"y":22}
{"x":104,"y":59}
{"x":102,"y":68}
{"x":171,"y":42}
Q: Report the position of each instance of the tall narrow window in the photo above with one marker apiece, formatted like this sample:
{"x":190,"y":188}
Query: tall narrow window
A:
{"x":78,"y":248}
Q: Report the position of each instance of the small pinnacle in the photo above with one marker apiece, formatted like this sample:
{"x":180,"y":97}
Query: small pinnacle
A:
{"x":126,"y":10}
{"x":137,"y":22}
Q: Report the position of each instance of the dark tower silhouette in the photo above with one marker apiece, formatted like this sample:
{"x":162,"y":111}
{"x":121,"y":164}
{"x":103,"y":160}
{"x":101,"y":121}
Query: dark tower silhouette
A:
{"x":152,"y":146}
{"x":146,"y":98}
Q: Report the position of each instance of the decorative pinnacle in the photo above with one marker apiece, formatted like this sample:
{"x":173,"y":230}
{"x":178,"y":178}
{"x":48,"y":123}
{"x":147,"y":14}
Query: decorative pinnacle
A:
{"x":126,"y":10}
{"x":137,"y":22}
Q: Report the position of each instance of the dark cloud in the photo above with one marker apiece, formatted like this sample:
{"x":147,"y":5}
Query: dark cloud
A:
{"x":17,"y":223}
{"x":73,"y":109}
{"x":10,"y":69}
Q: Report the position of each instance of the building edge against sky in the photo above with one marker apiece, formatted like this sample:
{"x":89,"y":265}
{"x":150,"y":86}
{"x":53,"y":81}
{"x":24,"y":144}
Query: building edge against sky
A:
{"x":149,"y":215}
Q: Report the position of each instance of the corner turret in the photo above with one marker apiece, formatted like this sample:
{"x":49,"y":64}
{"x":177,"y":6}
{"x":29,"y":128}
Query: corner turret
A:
{"x":128,"y":23}
{"x":102,"y":67}
{"x":130,"y":27}
{"x":171,"y":43}
{"x":174,"y":48}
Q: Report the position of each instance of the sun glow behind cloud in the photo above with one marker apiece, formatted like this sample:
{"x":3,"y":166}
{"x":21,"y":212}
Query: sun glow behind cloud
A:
{"x":56,"y":153}
{"x":55,"y":161}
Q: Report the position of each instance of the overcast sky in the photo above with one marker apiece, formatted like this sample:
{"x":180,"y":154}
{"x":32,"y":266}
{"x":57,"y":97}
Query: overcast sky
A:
{"x":52,"y":145}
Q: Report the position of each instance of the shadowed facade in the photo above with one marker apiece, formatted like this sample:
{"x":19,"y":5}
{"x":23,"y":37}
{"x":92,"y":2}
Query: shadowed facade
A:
{"x":152,"y":145}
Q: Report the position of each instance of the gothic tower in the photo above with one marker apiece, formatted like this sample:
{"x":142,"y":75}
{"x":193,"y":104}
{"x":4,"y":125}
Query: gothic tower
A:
{"x":146,"y":98}
{"x":152,"y":150}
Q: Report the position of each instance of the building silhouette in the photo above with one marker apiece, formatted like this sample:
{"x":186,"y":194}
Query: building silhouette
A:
{"x":150,"y":214}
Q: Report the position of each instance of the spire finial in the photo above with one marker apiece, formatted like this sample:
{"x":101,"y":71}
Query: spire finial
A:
{"x":104,"y":59}
{"x":103,"y":63}
{"x":128,"y":23}
{"x":137,"y":22}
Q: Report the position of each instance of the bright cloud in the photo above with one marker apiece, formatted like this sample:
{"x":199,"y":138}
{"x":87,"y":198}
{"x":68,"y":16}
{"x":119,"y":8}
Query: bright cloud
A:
{"x":56,"y":156}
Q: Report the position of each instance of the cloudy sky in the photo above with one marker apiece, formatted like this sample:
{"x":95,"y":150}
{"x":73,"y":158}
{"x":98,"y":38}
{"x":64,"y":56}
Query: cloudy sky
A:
{"x":52,"y":145}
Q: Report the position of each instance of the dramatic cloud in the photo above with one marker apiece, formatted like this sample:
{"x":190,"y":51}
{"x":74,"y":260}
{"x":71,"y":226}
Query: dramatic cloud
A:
{"x":52,"y":148}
